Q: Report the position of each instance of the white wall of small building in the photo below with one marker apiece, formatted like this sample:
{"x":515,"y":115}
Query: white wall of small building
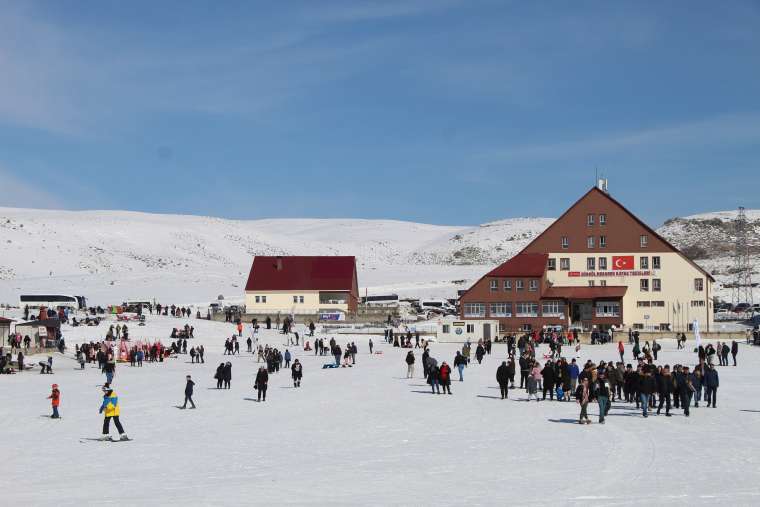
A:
{"x":282,"y":301}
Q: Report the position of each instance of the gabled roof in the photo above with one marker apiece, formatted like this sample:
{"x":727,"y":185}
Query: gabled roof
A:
{"x":634,"y":217}
{"x":609,"y":291}
{"x":271,"y":273}
{"x":3,"y":320}
{"x":522,"y":264}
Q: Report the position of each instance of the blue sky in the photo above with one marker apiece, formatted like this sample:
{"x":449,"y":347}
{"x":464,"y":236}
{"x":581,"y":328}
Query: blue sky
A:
{"x":451,"y":112}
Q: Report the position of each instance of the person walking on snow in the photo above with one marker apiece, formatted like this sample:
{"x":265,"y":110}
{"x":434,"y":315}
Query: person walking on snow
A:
{"x":459,"y":363}
{"x":297,"y":373}
{"x":260,"y":384}
{"x":189,"y":393}
{"x":55,"y":400}
{"x":445,"y":377}
{"x":112,"y":410}
{"x":502,"y":377}
{"x":583,"y":395}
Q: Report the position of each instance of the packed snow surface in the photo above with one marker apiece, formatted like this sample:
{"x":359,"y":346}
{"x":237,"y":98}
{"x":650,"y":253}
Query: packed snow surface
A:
{"x":364,"y":435}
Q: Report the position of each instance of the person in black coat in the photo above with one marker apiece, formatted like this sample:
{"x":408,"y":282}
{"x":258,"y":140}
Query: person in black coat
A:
{"x":297,"y":373}
{"x":502,"y":377}
{"x":549,"y":377}
{"x":711,"y":384}
{"x":685,"y":389}
{"x":189,"y":392}
{"x":260,"y":384}
{"x":646,"y":387}
{"x":734,"y":351}
{"x":524,"y":370}
{"x":219,"y":376}
{"x":665,"y":388}
{"x":511,"y":371}
{"x":227,"y":374}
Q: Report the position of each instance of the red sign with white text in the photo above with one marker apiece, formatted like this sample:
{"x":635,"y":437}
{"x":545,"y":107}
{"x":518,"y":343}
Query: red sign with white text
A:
{"x":621,"y":263}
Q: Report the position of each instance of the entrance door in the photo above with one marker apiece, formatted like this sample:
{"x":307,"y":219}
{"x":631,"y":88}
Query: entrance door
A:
{"x":486,"y":331}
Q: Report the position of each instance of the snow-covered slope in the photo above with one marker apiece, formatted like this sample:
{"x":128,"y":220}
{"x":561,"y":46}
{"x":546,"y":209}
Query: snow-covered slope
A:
{"x":150,"y":255}
{"x":110,"y":255}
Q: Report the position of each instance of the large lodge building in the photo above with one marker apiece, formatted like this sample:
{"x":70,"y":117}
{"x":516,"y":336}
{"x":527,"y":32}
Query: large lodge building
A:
{"x":596,"y":266}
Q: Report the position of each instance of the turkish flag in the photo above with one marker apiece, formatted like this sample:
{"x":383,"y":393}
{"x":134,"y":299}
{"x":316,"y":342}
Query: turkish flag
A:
{"x":623,"y":262}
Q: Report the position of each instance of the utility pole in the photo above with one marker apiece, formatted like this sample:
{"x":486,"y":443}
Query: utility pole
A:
{"x":742,"y":290}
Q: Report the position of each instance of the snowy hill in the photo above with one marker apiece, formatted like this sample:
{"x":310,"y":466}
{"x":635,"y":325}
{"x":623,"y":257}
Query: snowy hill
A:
{"x":110,"y":255}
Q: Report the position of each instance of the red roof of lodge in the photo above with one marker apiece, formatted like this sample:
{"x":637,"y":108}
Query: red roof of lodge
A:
{"x":523,"y":264}
{"x":5,"y":321}
{"x":302,"y":273}
{"x":609,"y":291}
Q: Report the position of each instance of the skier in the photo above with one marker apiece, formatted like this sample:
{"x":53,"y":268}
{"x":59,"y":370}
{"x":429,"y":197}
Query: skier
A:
{"x":112,"y":410}
{"x":297,"y":373}
{"x":55,"y":400}
{"x":502,"y":377}
{"x":262,"y":378}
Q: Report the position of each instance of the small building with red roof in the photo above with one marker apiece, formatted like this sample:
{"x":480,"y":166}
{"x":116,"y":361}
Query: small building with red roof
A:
{"x":302,"y":285}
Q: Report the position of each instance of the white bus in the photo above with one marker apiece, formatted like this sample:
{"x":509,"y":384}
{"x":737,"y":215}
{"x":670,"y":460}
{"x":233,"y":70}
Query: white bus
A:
{"x":437,"y":305}
{"x":52,"y":301}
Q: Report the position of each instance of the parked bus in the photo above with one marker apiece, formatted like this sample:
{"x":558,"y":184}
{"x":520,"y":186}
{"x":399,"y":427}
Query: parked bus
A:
{"x":52,"y":301}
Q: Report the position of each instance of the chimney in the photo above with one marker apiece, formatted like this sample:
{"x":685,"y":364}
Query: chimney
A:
{"x":601,"y":184}
{"x":279,"y":263}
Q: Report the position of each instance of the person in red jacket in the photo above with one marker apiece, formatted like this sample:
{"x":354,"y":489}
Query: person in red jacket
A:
{"x":55,"y":399}
{"x":444,"y":377}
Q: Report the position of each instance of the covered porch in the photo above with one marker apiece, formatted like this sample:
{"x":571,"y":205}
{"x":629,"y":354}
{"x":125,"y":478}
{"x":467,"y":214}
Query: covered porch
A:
{"x":588,"y":308}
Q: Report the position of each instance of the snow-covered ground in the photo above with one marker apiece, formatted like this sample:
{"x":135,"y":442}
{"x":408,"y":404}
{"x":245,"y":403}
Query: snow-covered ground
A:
{"x":364,"y":435}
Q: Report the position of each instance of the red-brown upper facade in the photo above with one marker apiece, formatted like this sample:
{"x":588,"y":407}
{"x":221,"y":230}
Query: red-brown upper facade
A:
{"x":270,"y":273}
{"x":522,"y":265}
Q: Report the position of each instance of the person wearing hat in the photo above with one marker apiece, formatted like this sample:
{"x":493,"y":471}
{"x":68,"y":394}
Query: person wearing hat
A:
{"x":112,"y":411}
{"x":55,"y":400}
{"x":189,"y":392}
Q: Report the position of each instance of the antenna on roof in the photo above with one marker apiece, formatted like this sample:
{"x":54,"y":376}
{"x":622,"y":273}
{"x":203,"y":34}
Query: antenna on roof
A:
{"x":601,"y":183}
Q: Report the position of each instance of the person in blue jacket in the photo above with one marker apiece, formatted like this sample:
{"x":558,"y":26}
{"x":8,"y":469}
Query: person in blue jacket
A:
{"x":574,"y":373}
{"x":287,"y":358}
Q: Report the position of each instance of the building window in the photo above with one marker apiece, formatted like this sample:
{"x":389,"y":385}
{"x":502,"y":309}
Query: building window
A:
{"x":658,"y":304}
{"x":519,"y":285}
{"x":602,"y":241}
{"x":602,"y":263}
{"x":603,"y":219}
{"x":644,"y":240}
{"x":527,"y":328}
{"x":258,"y":299}
{"x":300,"y":299}
{"x":644,"y":285}
{"x":565,"y":242}
{"x":643,"y":262}
{"x":501,"y":309}
{"x":494,"y":285}
{"x":533,"y":285}
{"x":552,"y":265}
{"x":697,"y":303}
{"x":590,"y":242}
{"x":446,"y":329}
{"x":590,"y":263}
{"x":507,"y":284}
{"x":656,"y":285}
{"x":643,"y":304}
{"x":636,"y":325}
{"x":656,"y":262}
{"x":527,"y":309}
{"x":470,"y":328}
{"x":603,"y":283}
{"x":474,"y":310}
{"x":590,"y":219}
{"x":564,"y":264}
{"x":552,"y":309}
{"x":699,"y":284}
{"x":591,"y":283}
{"x":607,"y":309}
{"x":263,"y":299}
